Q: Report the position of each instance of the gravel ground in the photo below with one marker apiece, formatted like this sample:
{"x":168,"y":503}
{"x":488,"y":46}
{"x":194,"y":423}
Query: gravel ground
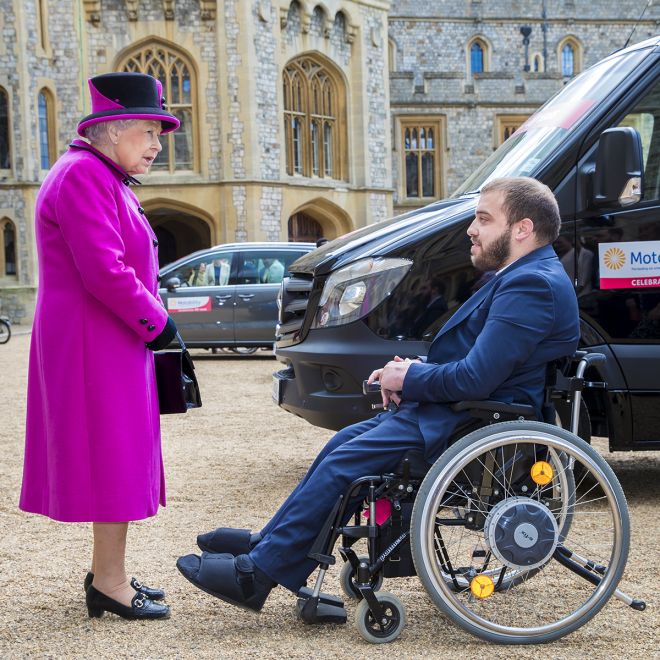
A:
{"x":231,"y":463}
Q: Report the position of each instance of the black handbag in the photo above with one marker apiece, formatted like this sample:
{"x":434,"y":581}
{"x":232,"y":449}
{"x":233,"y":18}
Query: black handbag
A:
{"x":178,"y":389}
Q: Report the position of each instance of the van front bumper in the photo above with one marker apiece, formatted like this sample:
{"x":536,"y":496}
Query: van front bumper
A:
{"x":326,"y":409}
{"x":323,"y":379}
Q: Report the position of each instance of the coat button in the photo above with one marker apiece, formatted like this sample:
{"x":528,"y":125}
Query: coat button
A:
{"x":140,"y":210}
{"x":151,"y":328}
{"x":144,"y":321}
{"x":155,"y":242}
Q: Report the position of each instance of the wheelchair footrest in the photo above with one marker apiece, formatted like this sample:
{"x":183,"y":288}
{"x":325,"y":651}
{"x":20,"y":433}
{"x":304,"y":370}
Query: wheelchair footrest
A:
{"x":323,"y":609}
{"x":328,"y":599}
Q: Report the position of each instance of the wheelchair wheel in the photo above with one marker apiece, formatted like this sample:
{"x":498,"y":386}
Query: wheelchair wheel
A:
{"x":505,"y":542}
{"x":386,"y":630}
{"x":347,"y":580}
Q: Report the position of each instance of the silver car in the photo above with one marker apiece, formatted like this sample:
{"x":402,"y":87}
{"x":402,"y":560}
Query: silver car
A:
{"x":225,"y":296}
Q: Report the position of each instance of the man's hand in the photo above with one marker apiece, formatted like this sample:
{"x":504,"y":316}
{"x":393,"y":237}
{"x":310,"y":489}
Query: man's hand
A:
{"x":391,"y":378}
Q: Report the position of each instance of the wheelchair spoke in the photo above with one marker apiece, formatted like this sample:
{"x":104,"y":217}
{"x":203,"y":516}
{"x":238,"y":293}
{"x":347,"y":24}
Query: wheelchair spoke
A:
{"x":490,"y":472}
{"x":591,"y":550}
{"x":513,"y":462}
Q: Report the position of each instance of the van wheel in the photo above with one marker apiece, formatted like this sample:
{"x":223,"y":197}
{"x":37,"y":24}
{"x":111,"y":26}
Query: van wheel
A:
{"x":244,"y":350}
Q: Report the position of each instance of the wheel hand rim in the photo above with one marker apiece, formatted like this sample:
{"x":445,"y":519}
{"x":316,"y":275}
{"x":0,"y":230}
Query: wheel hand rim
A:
{"x":560,"y":449}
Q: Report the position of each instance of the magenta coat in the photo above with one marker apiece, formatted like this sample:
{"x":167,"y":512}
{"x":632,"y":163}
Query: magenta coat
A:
{"x":92,"y":448}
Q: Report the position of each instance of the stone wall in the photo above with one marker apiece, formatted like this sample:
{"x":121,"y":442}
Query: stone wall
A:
{"x":268,"y":116}
{"x":233,"y":62}
{"x":239,"y":201}
{"x":374,"y":41}
{"x":592,"y":11}
{"x":271,"y":207}
{"x":17,"y":303}
{"x":431,"y":69}
{"x":25,"y":68}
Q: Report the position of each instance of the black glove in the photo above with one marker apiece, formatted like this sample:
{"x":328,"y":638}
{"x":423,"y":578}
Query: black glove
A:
{"x":165,"y":337}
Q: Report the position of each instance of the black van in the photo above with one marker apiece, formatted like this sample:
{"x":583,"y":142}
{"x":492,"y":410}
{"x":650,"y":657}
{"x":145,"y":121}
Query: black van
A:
{"x":386,"y":289}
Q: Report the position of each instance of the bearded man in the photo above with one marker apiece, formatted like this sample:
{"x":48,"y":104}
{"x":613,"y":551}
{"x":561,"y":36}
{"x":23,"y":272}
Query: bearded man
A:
{"x":496,"y":346}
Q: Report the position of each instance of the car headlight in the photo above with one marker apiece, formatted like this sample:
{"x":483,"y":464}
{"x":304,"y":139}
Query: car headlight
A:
{"x":352,"y":292}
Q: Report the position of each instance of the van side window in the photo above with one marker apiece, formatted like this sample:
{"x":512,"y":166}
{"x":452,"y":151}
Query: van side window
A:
{"x":645,"y":119}
{"x":265,"y":266}
{"x":209,"y":270}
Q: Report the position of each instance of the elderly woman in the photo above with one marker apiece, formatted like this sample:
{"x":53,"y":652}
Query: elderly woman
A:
{"x":92,"y":450}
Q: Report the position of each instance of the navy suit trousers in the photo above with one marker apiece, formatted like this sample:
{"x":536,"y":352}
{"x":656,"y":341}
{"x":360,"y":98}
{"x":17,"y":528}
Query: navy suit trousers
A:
{"x":374,"y":446}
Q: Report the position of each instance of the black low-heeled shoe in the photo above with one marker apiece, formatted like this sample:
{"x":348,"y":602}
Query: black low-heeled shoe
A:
{"x":149,"y":592}
{"x":141,"y":607}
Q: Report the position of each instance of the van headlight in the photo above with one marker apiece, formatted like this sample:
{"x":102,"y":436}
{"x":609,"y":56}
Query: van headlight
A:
{"x":352,"y":292}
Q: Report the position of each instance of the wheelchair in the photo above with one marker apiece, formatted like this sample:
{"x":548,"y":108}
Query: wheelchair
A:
{"x":519,"y":532}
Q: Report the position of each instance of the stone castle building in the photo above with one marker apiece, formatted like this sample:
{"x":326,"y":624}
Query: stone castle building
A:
{"x":300,"y":118}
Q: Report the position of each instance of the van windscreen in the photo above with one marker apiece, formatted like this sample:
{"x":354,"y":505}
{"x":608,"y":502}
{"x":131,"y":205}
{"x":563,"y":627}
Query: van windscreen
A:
{"x":546,"y":129}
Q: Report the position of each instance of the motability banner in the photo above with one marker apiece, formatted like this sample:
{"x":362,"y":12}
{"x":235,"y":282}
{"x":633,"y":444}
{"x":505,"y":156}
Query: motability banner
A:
{"x":633,"y":265}
{"x":189,"y":304}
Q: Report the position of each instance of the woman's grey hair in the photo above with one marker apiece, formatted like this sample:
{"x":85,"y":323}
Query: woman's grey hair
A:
{"x":98,"y":133}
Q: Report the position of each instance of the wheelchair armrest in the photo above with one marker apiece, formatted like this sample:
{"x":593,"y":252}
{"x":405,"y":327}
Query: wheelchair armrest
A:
{"x":495,"y":409}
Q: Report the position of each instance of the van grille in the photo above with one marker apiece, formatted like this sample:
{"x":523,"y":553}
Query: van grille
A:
{"x":294,"y":298}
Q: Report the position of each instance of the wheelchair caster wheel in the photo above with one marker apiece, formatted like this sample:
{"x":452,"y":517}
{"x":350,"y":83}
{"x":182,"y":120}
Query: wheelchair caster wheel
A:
{"x":347,"y":580}
{"x":386,"y":630}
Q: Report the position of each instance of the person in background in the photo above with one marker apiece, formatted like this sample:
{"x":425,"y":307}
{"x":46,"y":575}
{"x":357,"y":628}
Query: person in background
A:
{"x":92,"y":446}
{"x":218,"y":273}
{"x":199,"y":277}
{"x":273,"y":271}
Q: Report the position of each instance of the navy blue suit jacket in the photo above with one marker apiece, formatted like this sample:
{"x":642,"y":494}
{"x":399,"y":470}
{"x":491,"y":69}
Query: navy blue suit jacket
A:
{"x":496,"y":345}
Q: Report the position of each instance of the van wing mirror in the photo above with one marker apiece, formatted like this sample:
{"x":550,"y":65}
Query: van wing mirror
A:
{"x":619,"y":168}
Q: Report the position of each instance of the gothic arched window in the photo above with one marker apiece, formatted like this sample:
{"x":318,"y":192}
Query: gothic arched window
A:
{"x":570,"y":57}
{"x":46,"y":113}
{"x":422,"y":152}
{"x":177,"y":78}
{"x":314,"y":124}
{"x":5,"y":156}
{"x":478,"y":56}
{"x":567,"y":60}
{"x":537,"y":63}
{"x":8,"y":237}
